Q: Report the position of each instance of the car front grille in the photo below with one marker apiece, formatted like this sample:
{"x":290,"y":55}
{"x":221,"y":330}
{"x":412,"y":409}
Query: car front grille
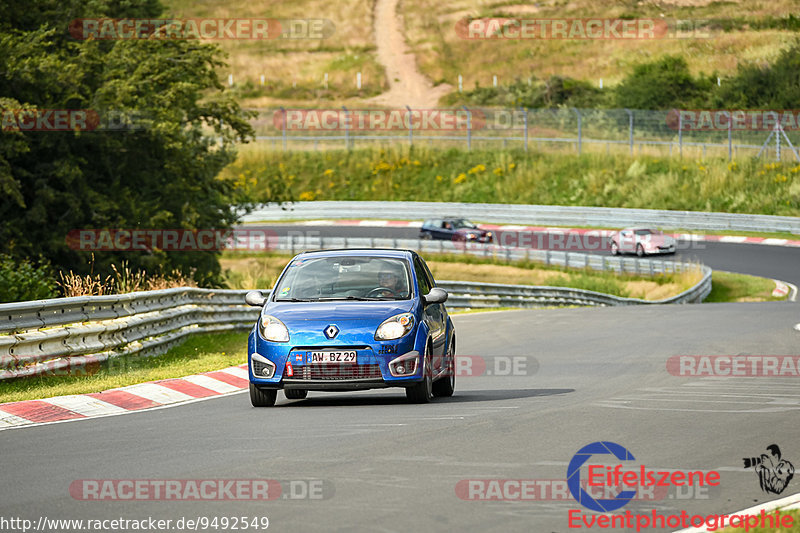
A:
{"x":336,"y":371}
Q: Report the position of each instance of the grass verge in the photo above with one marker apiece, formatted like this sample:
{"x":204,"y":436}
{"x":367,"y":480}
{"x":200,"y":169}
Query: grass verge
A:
{"x":733,"y":287}
{"x":202,"y":353}
{"x":519,"y":177}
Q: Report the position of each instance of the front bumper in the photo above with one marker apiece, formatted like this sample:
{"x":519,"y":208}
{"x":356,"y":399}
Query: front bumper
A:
{"x":281,"y":366}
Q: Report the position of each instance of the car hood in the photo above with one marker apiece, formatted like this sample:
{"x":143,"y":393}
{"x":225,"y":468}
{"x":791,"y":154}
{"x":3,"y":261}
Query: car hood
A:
{"x":659,"y":240}
{"x":303,"y":312}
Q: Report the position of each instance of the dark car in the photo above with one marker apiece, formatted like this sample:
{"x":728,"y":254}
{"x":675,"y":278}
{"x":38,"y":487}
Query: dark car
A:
{"x":352,"y":320}
{"x":454,"y":229}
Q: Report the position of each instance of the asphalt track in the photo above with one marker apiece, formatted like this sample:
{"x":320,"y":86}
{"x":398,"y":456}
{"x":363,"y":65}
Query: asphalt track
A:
{"x":587,"y":375}
{"x":590,"y":375}
{"x":776,"y":262}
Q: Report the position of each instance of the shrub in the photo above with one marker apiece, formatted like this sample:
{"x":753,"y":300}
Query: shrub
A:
{"x":23,"y":280}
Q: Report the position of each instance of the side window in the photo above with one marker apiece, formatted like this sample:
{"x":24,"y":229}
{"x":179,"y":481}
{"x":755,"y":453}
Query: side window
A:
{"x":422,"y":278}
{"x":431,"y":281}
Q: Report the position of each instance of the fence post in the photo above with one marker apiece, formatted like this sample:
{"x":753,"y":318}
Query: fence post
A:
{"x":283,"y":128}
{"x":469,"y":127}
{"x":630,"y":130}
{"x":346,"y":128}
{"x":778,"y":131}
{"x":525,"y":118}
{"x":680,"y":134}
{"x":580,"y":134}
{"x":410,"y":128}
{"x":730,"y":136}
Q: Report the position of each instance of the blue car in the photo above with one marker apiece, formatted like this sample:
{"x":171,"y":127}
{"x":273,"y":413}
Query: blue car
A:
{"x":348,"y":320}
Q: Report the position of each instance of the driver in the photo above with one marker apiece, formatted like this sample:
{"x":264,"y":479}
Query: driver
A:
{"x":389,"y":280}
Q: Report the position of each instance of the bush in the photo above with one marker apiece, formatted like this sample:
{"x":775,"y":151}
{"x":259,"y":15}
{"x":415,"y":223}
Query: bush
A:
{"x":662,"y":84}
{"x":22,"y":280}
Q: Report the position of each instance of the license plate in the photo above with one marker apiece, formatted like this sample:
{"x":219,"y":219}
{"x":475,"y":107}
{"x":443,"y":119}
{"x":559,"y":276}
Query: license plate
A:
{"x":333,"y":357}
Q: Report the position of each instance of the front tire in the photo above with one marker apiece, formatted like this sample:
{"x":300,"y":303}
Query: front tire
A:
{"x":295,"y":394}
{"x":444,"y":387}
{"x":640,"y":250}
{"x":262,"y":398}
{"x":422,"y":392}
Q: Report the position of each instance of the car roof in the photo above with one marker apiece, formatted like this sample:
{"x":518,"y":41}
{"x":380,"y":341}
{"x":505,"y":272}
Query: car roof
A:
{"x":364,"y":252}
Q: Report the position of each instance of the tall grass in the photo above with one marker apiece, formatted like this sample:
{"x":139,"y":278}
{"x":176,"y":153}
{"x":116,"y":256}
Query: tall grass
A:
{"x":515,"y":176}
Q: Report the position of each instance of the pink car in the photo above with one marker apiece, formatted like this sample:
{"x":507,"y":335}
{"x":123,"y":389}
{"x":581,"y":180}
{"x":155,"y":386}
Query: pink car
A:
{"x":641,"y":241}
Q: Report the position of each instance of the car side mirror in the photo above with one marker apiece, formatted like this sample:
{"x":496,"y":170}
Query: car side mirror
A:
{"x":255,"y":298}
{"x":436,"y":296}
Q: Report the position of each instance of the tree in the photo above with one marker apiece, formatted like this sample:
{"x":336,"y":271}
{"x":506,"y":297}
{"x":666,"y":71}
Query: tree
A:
{"x":162,"y":173}
{"x":662,"y":84}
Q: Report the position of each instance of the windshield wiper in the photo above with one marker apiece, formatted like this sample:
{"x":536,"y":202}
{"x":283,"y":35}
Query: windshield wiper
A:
{"x":357,"y":298}
{"x":296,"y":299}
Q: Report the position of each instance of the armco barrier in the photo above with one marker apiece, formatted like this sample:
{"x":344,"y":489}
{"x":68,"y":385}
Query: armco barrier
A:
{"x":537,"y":215}
{"x":59,"y":335}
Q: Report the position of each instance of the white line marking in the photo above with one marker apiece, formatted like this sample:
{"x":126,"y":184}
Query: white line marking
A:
{"x":775,"y":242}
{"x":237,"y":371}
{"x":732,"y":238}
{"x":138,"y":411}
{"x":373,"y":223}
{"x":8,"y":420}
{"x":766,"y":507}
{"x":157,"y":393}
{"x":211,"y":383}
{"x":793,"y":294}
{"x":84,"y":405}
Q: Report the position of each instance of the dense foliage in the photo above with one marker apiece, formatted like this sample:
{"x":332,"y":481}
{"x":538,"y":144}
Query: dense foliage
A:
{"x":157,"y":172}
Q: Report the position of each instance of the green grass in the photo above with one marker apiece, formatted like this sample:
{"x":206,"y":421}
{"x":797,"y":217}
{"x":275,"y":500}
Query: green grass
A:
{"x":732,"y":287}
{"x":518,"y":177}
{"x":202,"y":353}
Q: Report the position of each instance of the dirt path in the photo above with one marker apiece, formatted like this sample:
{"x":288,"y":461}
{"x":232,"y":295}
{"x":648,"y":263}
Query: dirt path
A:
{"x":407,"y":85}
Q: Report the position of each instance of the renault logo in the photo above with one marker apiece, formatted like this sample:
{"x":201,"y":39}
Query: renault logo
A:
{"x":331,"y":331}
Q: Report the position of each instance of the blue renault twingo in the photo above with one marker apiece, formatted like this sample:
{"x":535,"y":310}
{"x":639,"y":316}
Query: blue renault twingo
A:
{"x":346,"y":320}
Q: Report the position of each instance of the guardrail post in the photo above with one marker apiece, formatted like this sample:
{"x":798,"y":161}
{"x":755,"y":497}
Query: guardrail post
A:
{"x":630,"y":130}
{"x":469,"y":127}
{"x":410,"y":128}
{"x":580,"y":132}
{"x":283,"y":128}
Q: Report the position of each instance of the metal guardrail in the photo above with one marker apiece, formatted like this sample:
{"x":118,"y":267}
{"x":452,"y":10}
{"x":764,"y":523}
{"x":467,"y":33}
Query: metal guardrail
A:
{"x":540,"y":215}
{"x":61,"y":335}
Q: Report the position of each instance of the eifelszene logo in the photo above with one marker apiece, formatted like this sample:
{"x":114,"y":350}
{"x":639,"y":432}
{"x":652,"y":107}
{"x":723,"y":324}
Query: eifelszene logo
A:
{"x":773,"y":472}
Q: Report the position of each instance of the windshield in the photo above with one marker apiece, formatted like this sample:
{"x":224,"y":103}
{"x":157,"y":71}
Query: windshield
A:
{"x":344,"y":278}
{"x":647,"y":232}
{"x":461,"y":223}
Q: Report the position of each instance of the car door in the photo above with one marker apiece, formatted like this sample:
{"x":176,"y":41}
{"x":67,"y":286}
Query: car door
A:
{"x":434,"y":315}
{"x":626,"y":241}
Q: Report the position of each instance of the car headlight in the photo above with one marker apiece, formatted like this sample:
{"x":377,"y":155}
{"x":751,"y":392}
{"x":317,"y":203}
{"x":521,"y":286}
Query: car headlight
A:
{"x":394,"y":327}
{"x":273,"y":329}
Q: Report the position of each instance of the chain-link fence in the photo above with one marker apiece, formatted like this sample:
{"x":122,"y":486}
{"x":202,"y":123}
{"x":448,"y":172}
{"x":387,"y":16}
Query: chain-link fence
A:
{"x":679,"y":133}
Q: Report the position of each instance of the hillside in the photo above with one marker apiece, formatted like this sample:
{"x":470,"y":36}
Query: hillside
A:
{"x":731,"y":32}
